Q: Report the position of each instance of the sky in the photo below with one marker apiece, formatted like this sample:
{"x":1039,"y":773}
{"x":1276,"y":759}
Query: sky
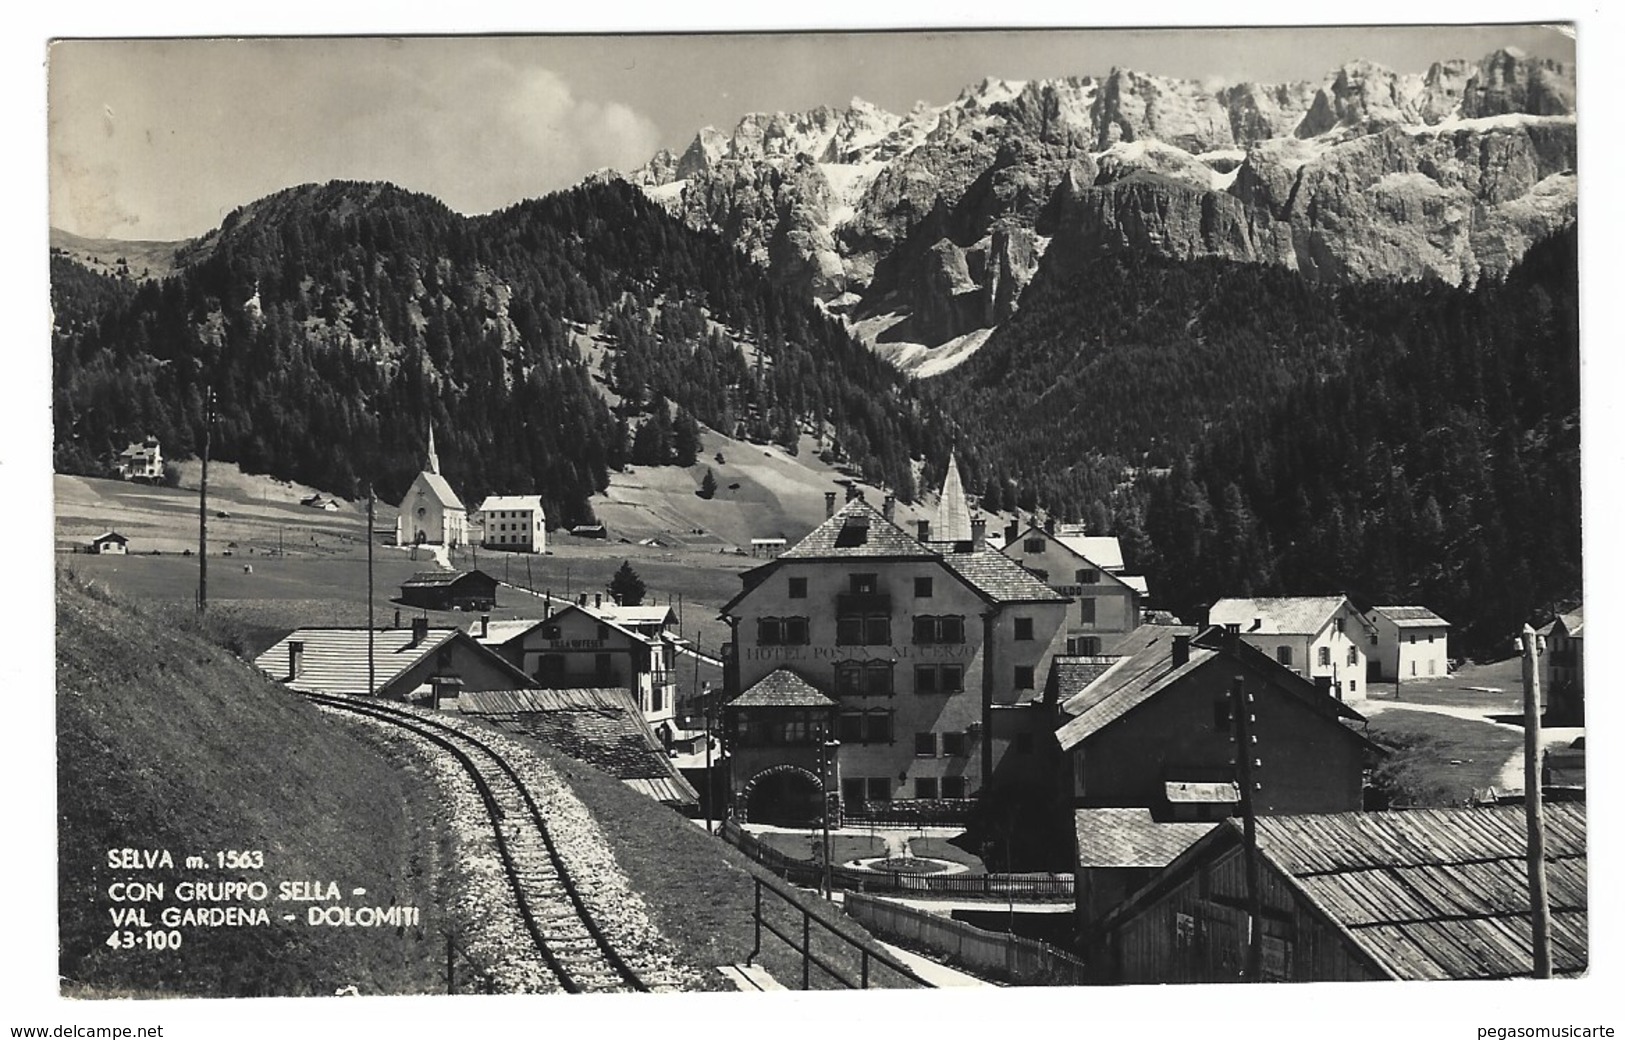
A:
{"x":161,"y":138}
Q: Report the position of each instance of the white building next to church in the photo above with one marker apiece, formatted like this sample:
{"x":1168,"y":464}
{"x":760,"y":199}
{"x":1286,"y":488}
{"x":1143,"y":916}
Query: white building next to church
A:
{"x":513,"y":523}
{"x":431,"y":512}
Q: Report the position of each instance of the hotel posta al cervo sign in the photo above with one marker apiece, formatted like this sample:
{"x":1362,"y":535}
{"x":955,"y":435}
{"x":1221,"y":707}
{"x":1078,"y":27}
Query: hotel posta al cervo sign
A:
{"x":927,"y":652}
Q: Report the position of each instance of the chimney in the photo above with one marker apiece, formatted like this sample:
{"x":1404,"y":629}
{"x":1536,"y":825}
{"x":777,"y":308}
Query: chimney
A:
{"x":296,"y":658}
{"x":852,"y":492}
{"x":420,"y":630}
{"x":924,"y":527}
{"x":888,"y":507}
{"x":597,"y":599}
{"x":485,"y":626}
{"x":1182,"y":650}
{"x":547,"y":604}
{"x":829,"y":504}
{"x":581,"y":600}
{"x":978,"y":533}
{"x":1049,"y":525}
{"x":1012,"y":531}
{"x":397,"y":623}
{"x":1232,"y":637}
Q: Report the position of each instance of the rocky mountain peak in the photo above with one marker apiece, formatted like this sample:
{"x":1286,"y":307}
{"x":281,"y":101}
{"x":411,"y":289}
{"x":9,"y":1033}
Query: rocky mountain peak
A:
{"x":1363,"y":174}
{"x":1510,"y":82}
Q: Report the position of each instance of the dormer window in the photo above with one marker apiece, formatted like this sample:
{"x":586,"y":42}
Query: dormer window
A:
{"x":853,"y":533}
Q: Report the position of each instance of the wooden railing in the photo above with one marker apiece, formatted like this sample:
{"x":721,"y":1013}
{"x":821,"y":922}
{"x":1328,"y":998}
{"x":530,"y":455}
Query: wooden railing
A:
{"x":1009,"y":958}
{"x":870,"y":955}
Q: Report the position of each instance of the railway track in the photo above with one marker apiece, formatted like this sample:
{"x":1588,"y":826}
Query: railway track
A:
{"x":568,"y":936}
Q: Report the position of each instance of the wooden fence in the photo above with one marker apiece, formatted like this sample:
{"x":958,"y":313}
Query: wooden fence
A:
{"x":1009,"y":958}
{"x":964,"y":886}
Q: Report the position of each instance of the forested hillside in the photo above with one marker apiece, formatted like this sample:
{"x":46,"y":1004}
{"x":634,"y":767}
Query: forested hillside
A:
{"x":334,"y":322}
{"x":1248,"y":432}
{"x":1244,"y":429}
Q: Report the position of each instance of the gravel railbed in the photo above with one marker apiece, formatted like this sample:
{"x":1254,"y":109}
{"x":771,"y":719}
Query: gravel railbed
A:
{"x":492,"y":931}
{"x":486,"y":901}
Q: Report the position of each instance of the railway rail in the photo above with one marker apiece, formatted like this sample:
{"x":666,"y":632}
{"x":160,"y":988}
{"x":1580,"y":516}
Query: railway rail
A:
{"x":568,"y":936}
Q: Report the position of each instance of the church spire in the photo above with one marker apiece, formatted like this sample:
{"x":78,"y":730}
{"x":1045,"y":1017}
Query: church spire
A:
{"x":433,"y":464}
{"x":952,"y":522}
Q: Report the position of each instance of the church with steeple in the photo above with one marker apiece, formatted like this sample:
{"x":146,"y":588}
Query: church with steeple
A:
{"x":431,"y":512}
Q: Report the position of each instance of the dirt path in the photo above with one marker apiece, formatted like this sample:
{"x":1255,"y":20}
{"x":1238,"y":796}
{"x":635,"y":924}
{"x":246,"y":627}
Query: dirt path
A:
{"x":1511,"y":776}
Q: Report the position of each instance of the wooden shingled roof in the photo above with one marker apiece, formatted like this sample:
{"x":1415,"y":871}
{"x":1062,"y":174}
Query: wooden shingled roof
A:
{"x":781,"y":688}
{"x":601,"y":727}
{"x":1131,"y":838}
{"x":856,"y":530}
{"x":1418,"y":893}
{"x":1439,"y":893}
{"x":999,"y":578}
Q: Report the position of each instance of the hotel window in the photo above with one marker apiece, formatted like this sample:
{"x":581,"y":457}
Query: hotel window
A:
{"x":879,"y":789}
{"x":864,"y":678}
{"x":1283,"y":654}
{"x":790,"y":631}
{"x":925,"y":745}
{"x":853,"y":789}
{"x":955,"y":745}
{"x":1033,"y":545}
{"x":925,"y":787}
{"x":1086,"y":611}
{"x":798,"y":588}
{"x":1024,"y":677}
{"x":929,"y":630}
{"x":1354,"y":656}
{"x":1087,"y":576}
{"x":925,"y":678}
{"x":1325,"y":657}
{"x":863,"y":630}
{"x":939,"y":678}
{"x":1024,"y":628}
{"x":922,"y":588}
{"x":865,"y":727}
{"x":953,"y":787}
{"x":865,"y":584}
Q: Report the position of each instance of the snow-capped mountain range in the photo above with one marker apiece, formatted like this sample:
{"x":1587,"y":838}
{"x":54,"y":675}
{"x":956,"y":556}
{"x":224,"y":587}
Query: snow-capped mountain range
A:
{"x":923,"y":228}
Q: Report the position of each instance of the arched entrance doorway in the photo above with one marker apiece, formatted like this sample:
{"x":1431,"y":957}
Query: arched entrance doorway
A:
{"x":787,"y":796}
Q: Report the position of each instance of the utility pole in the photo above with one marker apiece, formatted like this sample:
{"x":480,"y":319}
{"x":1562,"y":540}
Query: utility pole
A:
{"x":825,"y":753}
{"x":1539,"y":906}
{"x":203,"y":507}
{"x":705,"y":707}
{"x":372,"y":665}
{"x":1241,"y":711}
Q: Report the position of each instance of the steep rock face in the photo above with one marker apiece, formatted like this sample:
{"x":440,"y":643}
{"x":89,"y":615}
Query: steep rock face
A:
{"x":1260,"y":111}
{"x":1509,"y":82}
{"x":1442,"y":89}
{"x":941,"y":214}
{"x":1131,"y":107}
{"x":1363,"y":97}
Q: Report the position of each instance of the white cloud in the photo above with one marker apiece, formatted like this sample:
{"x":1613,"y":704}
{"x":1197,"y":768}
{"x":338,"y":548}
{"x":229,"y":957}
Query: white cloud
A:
{"x":160,"y":140}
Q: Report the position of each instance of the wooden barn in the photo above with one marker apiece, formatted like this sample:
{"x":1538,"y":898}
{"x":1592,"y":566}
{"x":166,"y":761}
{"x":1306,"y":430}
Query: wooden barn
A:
{"x":450,"y":590}
{"x":420,"y":665}
{"x":1413,"y":894}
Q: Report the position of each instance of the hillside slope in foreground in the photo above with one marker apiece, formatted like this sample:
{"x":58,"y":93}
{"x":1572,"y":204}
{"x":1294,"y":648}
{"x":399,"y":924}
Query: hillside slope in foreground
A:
{"x":166,"y":743}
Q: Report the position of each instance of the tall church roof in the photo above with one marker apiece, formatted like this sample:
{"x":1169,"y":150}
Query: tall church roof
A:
{"x":952,"y":522}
